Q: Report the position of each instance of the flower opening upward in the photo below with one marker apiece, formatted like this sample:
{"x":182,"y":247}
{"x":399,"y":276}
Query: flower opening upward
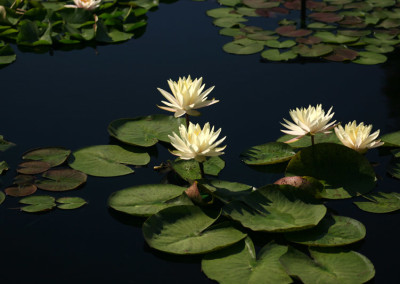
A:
{"x":85,"y":4}
{"x":196,"y":143}
{"x":358,"y":137}
{"x":187,"y":96}
{"x":309,"y":120}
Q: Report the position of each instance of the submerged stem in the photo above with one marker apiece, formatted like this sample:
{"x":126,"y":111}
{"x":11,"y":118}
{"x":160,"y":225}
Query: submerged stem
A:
{"x":312,"y":140}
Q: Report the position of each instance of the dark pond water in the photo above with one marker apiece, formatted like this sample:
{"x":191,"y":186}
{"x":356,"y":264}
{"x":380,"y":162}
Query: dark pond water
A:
{"x":69,"y":98}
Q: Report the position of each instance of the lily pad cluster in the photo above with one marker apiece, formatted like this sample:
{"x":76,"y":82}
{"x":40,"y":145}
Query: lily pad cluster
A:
{"x":335,"y":30}
{"x":40,"y":25}
{"x":40,"y":203}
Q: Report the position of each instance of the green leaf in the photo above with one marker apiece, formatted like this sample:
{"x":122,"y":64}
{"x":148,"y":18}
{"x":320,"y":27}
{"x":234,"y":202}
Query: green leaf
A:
{"x":332,"y":38}
{"x":231,"y":32}
{"x":275,"y":55}
{"x":239,"y":264}
{"x":328,"y":266}
{"x":213,"y":166}
{"x":315,"y":50}
{"x":21,"y":190}
{"x":3,"y":167}
{"x":260,"y":4}
{"x":33,"y":167}
{"x":7,"y":56}
{"x":331,"y":231}
{"x":280,"y":44}
{"x":306,"y":140}
{"x":370,"y":58}
{"x":110,"y":35}
{"x":394,"y":167}
{"x":380,"y":202}
{"x":107,"y":160}
{"x":229,"y":2}
{"x":249,"y":12}
{"x":146,"y":200}
{"x":228,"y":22}
{"x":379,"y":49}
{"x":5,"y":145}
{"x":343,"y":171}
{"x":2,"y":197}
{"x":226,"y":191}
{"x":146,"y":130}
{"x":189,"y":170}
{"x":188,"y":230}
{"x":52,"y":155}
{"x":70,"y":202}
{"x":38,"y":203}
{"x":61,"y":180}
{"x":391,"y":139}
{"x":275,"y":208}
{"x":269,"y":153}
{"x":223,"y":13}
{"x":243,"y":47}
{"x":31,"y":35}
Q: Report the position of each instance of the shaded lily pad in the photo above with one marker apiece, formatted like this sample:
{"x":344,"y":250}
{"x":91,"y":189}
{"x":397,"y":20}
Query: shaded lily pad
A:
{"x":223,"y":13}
{"x":342,"y":54}
{"x":263,"y":35}
{"x":107,"y":160}
{"x":33,"y":167}
{"x":343,"y":171}
{"x":391,"y":139}
{"x":7,"y":54}
{"x":61,"y":180}
{"x":291,"y":31}
{"x":70,"y":202}
{"x":280,"y":44}
{"x":228,"y":22}
{"x":370,"y":58}
{"x":189,"y":170}
{"x":5,"y":145}
{"x":145,"y":131}
{"x":394,"y":167}
{"x":146,"y":200}
{"x":226,"y":191}
{"x":332,"y":38}
{"x":3,"y":167}
{"x":330,"y":232}
{"x":275,"y":55}
{"x":316,"y":50}
{"x":54,"y":156}
{"x":380,"y":202}
{"x":379,"y":49}
{"x":269,"y":153}
{"x":21,"y":190}
{"x":306,"y":140}
{"x":38,"y":203}
{"x":260,"y":3}
{"x":189,"y":230}
{"x":239,"y":264}
{"x":328,"y":265}
{"x":2,"y":197}
{"x":326,"y":17}
{"x":275,"y":208}
{"x":243,"y":47}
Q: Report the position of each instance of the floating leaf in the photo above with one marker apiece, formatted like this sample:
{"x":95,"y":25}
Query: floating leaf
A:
{"x":328,"y":265}
{"x":231,"y":32}
{"x":189,"y":170}
{"x":33,"y":167}
{"x":52,"y":155}
{"x":394,"y":167}
{"x":146,"y":200}
{"x":3,"y":167}
{"x":61,"y":180}
{"x":146,"y":130}
{"x":306,"y":140}
{"x":290,"y":31}
{"x":38,"y":203}
{"x":223,"y":13}
{"x":269,"y":153}
{"x":275,"y":55}
{"x":263,"y":35}
{"x":326,"y":17}
{"x":189,"y":230}
{"x":343,"y":171}
{"x":107,"y":160}
{"x":391,"y":139}
{"x":331,"y":231}
{"x":308,"y":40}
{"x":370,"y":58}
{"x":229,"y":2}
{"x":332,"y":38}
{"x":7,"y":56}
{"x":239,"y":264}
{"x":316,"y":50}
{"x":250,"y":12}
{"x":2,"y":197}
{"x":342,"y":54}
{"x":260,"y":3}
{"x":379,"y":49}
{"x":380,"y":202}
{"x":5,"y":145}
{"x":318,"y":25}
{"x":241,"y":47}
{"x":226,"y":191}
{"x":280,"y":44}
{"x":213,"y":166}
{"x":70,"y":202}
{"x":275,"y":208}
{"x":355,"y":33}
{"x":228,"y":22}
{"x":21,"y":190}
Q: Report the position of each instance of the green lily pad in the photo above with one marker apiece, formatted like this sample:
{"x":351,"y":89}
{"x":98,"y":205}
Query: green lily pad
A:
{"x":189,"y":170}
{"x":107,"y":160}
{"x":70,"y":202}
{"x":275,"y":55}
{"x":241,"y":47}
{"x":52,"y":155}
{"x":306,"y":140}
{"x":38,"y":203}
{"x":249,"y":12}
{"x":291,"y":31}
{"x":7,"y":55}
{"x":343,"y":171}
{"x":5,"y":145}
{"x":231,"y":32}
{"x":353,"y":33}
{"x":226,"y":191}
{"x":394,"y":167}
{"x":61,"y":180}
{"x":21,"y":190}
{"x":328,"y":265}
{"x":145,"y":131}
{"x":263,"y":35}
{"x":332,"y":38}
{"x":379,"y":49}
{"x":380,"y":202}
{"x":33,"y":167}
{"x":213,"y":166}
{"x":229,"y":22}
{"x":315,"y":50}
{"x":189,"y":229}
{"x":370,"y":58}
{"x":239,"y":264}
{"x":3,"y":167}
{"x":146,"y":200}
{"x":2,"y":197}
{"x":269,"y":153}
{"x":223,"y":13}
{"x":326,"y":17}
{"x":280,"y":44}
{"x":391,"y":139}
{"x":330,"y":232}
{"x":275,"y":208}
{"x":260,"y":3}
{"x":231,"y":3}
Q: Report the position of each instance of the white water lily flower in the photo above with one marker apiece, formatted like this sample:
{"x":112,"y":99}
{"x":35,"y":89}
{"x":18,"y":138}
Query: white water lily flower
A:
{"x":358,"y":137}
{"x":196,"y":143}
{"x":85,"y":4}
{"x":309,"y":121}
{"x":187,"y":96}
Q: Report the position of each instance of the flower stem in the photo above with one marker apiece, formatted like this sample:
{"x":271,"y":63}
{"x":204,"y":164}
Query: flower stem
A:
{"x":312,"y":140}
{"x":201,"y":169}
{"x":187,"y":120}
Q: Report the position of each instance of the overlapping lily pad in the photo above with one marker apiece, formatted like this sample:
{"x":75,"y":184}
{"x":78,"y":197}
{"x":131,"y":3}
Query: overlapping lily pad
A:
{"x":239,"y":264}
{"x":380,"y":202}
{"x":4,"y":144}
{"x":391,"y":139}
{"x":33,"y":167}
{"x":190,"y":169}
{"x":38,"y":203}
{"x":3,"y":167}
{"x":53,"y":155}
{"x":61,"y":180}
{"x":269,"y":153}
{"x":21,"y":190}
{"x":2,"y":197}
{"x":226,"y":191}
{"x":189,"y":230}
{"x":69,"y":203}
{"x":146,"y":200}
{"x":306,"y":140}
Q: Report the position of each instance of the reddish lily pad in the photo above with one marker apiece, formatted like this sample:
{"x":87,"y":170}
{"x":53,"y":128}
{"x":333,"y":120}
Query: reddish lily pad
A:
{"x":53,"y":155}
{"x":316,"y":50}
{"x":260,"y":3}
{"x":24,"y":180}
{"x":342,"y":54}
{"x":33,"y":167}
{"x":308,"y":40}
{"x":61,"y":180}
{"x":326,"y":17}
{"x":290,"y":31}
{"x":22,"y":190}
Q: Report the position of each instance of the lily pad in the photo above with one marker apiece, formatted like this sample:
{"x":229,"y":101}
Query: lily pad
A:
{"x":394,"y":167}
{"x":189,"y":170}
{"x":70,"y":202}
{"x":291,"y":31}
{"x":3,"y":167}
{"x":280,"y":44}
{"x":275,"y":208}
{"x":330,"y":232}
{"x":379,"y":49}
{"x":326,"y":17}
{"x":343,"y":171}
{"x":33,"y":167}
{"x":223,"y":13}
{"x":391,"y":139}
{"x":380,"y":202}
{"x":107,"y":160}
{"x":306,"y":140}
{"x":332,"y":38}
{"x":370,"y":58}
{"x":38,"y":203}
{"x":269,"y":153}
{"x":275,"y":55}
{"x":189,"y":229}
{"x":239,"y":264}
{"x":240,"y":47}
{"x":7,"y":55}
{"x":61,"y":180}
{"x":229,"y":22}
{"x":342,"y":54}
{"x":145,"y":131}
{"x":260,"y":3}
{"x":54,"y":156}
{"x":315,"y":50}
{"x":2,"y":197}
{"x":226,"y":191}
{"x":21,"y":190}
{"x":328,"y":265}
{"x":5,"y":145}
{"x":146,"y":200}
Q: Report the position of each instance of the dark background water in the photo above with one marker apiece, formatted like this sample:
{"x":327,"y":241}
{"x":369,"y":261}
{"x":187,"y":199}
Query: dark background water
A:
{"x":69,"y":98}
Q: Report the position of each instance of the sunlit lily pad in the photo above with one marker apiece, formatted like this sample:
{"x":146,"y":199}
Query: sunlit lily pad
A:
{"x":54,"y":156}
{"x":2,"y":197}
{"x":269,"y":153}
{"x":275,"y":55}
{"x":306,"y":140}
{"x":243,"y":47}
{"x":146,"y":130}
{"x":332,"y":38}
{"x":3,"y":167}
{"x":275,"y":208}
{"x":280,"y":44}
{"x":189,"y":230}
{"x":107,"y":160}
{"x":190,"y":169}
{"x":228,"y":22}
{"x":343,"y":171}
{"x":330,"y":232}
{"x":21,"y":190}
{"x":33,"y":167}
{"x":229,"y":2}
{"x":226,"y":191}
{"x":38,"y":203}
{"x":370,"y":58}
{"x":69,"y":203}
{"x":146,"y":200}
{"x":380,"y":202}
{"x":231,"y":32}
{"x":391,"y":139}
{"x":239,"y":264}
{"x":61,"y":180}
